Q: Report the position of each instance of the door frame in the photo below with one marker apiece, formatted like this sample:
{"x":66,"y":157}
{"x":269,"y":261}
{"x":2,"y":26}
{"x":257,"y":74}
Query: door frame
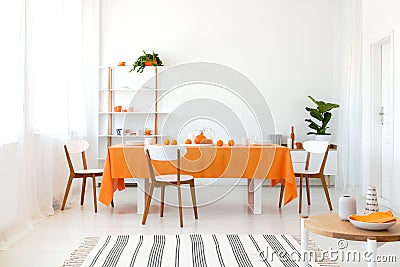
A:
{"x":388,"y":37}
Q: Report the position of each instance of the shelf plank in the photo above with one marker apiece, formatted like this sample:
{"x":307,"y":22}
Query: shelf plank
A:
{"x":115,"y":67}
{"x":131,"y":136}
{"x":131,"y":90}
{"x":135,"y":112}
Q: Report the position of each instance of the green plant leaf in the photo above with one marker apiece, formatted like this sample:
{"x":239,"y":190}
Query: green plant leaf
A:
{"x":327,"y":107}
{"x":326,"y":119}
{"x":318,"y":103}
{"x":313,"y":125}
{"x":316,"y":114}
{"x":321,"y":131}
{"x":313,"y":100}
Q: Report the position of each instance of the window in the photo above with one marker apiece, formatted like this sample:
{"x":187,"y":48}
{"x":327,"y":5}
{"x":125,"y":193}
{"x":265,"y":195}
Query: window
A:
{"x":12,"y":69}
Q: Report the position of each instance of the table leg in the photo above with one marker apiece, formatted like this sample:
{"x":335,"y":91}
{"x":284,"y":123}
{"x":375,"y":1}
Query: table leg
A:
{"x":254,"y":195}
{"x":371,"y":249}
{"x":142,"y":187}
{"x":304,"y":243}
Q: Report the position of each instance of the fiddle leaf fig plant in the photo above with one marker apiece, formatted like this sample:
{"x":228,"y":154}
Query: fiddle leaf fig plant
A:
{"x":322,"y":114}
{"x":146,"y":60}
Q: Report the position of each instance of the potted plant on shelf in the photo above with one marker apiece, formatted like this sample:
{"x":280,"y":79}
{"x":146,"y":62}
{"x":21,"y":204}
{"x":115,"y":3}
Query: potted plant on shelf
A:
{"x":322,"y":114}
{"x":146,"y":60}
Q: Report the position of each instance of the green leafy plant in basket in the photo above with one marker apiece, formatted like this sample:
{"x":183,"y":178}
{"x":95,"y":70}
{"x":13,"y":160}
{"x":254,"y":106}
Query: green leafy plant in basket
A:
{"x":146,"y":60}
{"x":322,"y":114}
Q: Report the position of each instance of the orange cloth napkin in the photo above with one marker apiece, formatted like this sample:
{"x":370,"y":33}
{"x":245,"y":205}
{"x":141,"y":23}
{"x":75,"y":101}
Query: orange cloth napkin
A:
{"x":376,"y":217}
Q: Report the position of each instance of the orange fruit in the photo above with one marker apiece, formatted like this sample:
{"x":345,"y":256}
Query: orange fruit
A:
{"x":166,"y":142}
{"x":173,"y":142}
{"x":231,"y":142}
{"x":198,"y":138}
{"x":188,"y":141}
{"x":220,"y":143}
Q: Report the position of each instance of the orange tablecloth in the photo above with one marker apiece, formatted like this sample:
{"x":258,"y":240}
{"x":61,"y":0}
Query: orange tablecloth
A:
{"x":259,"y":162}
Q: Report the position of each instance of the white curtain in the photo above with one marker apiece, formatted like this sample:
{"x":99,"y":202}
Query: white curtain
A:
{"x":348,"y":35}
{"x":53,"y":77}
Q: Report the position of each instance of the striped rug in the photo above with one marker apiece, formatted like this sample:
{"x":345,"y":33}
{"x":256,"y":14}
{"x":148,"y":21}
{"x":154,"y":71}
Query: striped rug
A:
{"x":189,"y":250}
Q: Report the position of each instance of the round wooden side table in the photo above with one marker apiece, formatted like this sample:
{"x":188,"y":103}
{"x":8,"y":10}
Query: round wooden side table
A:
{"x":330,"y":225}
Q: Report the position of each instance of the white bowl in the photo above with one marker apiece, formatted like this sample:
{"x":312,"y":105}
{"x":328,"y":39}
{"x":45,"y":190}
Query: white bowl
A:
{"x":134,"y":143}
{"x":263,"y":143}
{"x":372,"y":226}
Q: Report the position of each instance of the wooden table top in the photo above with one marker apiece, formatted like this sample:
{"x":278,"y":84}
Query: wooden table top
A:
{"x":331,"y":225}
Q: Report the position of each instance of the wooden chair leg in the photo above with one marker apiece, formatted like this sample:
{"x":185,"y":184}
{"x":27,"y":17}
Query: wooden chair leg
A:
{"x":180,"y":205}
{"x":67,"y":191}
{"x":281,"y":193}
{"x":148,"y":200}
{"x":112,"y":203}
{"x":83,"y":190}
{"x":193,"y":193}
{"x":301,"y":192}
{"x":162,"y":201}
{"x":329,"y":181}
{"x":326,"y":192}
{"x":308,"y":191}
{"x":94,"y":193}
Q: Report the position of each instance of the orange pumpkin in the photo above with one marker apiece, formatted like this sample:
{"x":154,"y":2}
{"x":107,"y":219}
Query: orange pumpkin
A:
{"x":206,"y":141}
{"x":188,"y":141}
{"x":220,"y":143}
{"x":198,"y":138}
{"x":231,"y":142}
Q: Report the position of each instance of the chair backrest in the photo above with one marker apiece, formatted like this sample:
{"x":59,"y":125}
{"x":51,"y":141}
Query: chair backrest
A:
{"x":317,"y":152}
{"x":164,"y":153}
{"x":75,"y":147}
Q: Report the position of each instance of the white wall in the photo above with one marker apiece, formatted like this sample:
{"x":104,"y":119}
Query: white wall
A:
{"x":381,"y":18}
{"x":285,"y":47}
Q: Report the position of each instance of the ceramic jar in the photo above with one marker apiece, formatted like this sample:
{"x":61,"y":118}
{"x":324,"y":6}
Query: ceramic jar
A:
{"x":347,"y":207}
{"x":371,"y":202}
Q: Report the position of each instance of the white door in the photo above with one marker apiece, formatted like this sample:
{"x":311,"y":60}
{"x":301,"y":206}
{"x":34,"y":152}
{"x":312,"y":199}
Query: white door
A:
{"x":387,"y":121}
{"x":382,"y":82}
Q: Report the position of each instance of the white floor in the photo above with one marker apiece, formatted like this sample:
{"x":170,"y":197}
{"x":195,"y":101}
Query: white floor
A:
{"x":52,"y":240}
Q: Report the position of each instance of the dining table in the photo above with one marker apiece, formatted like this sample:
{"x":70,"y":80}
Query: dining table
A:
{"x":255,"y":163}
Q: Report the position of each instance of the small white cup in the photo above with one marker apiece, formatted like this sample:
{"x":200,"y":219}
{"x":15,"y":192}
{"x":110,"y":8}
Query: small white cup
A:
{"x":149,"y":141}
{"x":245,"y":141}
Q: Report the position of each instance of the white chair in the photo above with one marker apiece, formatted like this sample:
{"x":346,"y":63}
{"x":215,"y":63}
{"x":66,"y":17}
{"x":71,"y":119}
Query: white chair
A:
{"x":75,"y":147}
{"x":317,"y":153}
{"x":168,"y":153}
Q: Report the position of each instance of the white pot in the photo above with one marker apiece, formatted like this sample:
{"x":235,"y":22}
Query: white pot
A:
{"x":347,"y":207}
{"x":322,"y":137}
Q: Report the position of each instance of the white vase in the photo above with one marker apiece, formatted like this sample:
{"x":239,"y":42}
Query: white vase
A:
{"x":371,"y":202}
{"x":347,"y":207}
{"x":322,"y":137}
